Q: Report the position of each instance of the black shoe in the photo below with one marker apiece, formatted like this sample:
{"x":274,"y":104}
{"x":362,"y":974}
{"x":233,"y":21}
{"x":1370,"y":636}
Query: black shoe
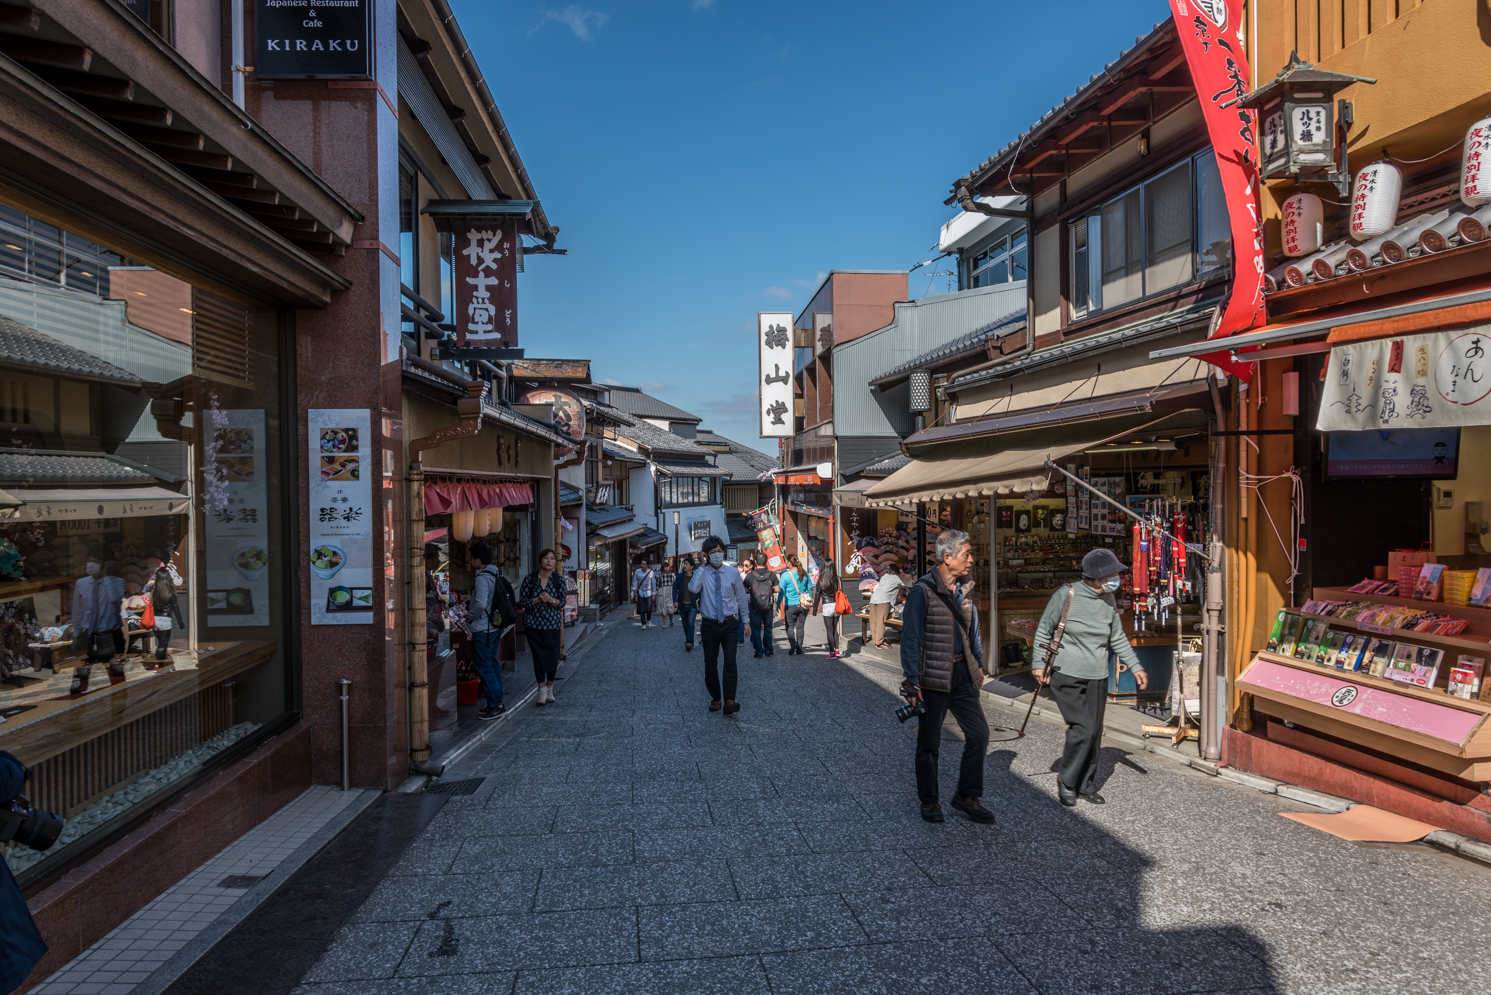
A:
{"x":714,"y":706}
{"x":731,"y":707}
{"x":973,"y":809}
{"x":688,"y":647}
{"x":771,"y":654}
{"x":488,"y":714}
{"x":1093,"y":798}
{"x":1067,"y":795}
{"x":932,"y":813}
{"x":760,"y":655}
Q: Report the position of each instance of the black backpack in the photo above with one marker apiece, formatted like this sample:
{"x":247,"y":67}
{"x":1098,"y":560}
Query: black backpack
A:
{"x":503,"y":611}
{"x":761,"y":590}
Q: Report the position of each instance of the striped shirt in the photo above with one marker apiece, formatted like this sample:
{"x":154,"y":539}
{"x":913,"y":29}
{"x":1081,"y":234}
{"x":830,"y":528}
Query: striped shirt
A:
{"x":1092,"y":629}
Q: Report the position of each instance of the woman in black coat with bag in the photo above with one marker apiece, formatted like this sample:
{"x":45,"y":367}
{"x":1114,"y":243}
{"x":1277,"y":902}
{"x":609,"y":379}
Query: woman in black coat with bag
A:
{"x":825,"y":597}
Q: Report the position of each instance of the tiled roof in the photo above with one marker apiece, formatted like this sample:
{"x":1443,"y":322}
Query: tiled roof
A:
{"x":21,"y":345}
{"x":686,"y":468}
{"x":740,"y":529}
{"x":740,"y":458}
{"x":634,"y":402}
{"x":886,"y":467}
{"x":657,"y":440}
{"x":605,"y":514}
{"x":28,"y":467}
{"x":964,"y":343}
{"x":647,"y":538}
{"x":1055,"y":115}
{"x":621,"y":452}
{"x":569,"y":495}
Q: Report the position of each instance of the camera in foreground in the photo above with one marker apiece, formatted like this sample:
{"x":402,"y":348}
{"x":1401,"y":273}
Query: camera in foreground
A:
{"x":910,"y":709}
{"x":20,"y":823}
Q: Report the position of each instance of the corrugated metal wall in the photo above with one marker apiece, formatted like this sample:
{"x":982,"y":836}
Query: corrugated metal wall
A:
{"x":919,"y":326}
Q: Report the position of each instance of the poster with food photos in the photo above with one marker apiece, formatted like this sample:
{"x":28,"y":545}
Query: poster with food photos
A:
{"x":341,"y":516}
{"x":236,"y":516}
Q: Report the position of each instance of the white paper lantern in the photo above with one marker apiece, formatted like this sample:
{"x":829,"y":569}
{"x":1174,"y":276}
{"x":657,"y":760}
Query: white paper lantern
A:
{"x":460,"y":525}
{"x":1374,"y":200}
{"x":1475,"y":165}
{"x":481,"y":523}
{"x":1473,"y":227}
{"x":1303,"y":223}
{"x":495,"y":517}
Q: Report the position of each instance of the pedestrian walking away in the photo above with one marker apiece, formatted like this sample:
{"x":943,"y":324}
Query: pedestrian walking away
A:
{"x":794,"y":599}
{"x":492,"y":608}
{"x":942,"y":665}
{"x":1092,"y":635}
{"x":826,"y":604}
{"x":763,"y":588}
{"x":687,"y":602}
{"x":644,"y":588}
{"x":541,"y":597}
{"x":722,"y":597}
{"x":666,"y":606}
{"x":888,"y":590}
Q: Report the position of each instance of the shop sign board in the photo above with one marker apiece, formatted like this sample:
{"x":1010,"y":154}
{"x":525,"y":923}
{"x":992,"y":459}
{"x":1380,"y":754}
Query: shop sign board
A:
{"x":1433,"y":380}
{"x":486,"y":283}
{"x":236,"y":520}
{"x":699,"y":528}
{"x":774,"y":342}
{"x":341,"y":515}
{"x":304,"y":39}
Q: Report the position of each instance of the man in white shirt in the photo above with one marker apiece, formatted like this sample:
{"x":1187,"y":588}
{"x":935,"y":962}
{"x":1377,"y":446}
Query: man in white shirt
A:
{"x":644,"y":587}
{"x":722,"y":605}
{"x":887,"y":592}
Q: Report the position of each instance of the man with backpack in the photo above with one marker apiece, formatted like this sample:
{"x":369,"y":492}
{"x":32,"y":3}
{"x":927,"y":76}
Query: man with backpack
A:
{"x":492,"y":609}
{"x":762,"y":586}
{"x":942,"y":660}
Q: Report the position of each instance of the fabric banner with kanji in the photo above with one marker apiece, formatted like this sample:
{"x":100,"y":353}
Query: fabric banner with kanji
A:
{"x":1434,"y":380}
{"x":1211,"y":35}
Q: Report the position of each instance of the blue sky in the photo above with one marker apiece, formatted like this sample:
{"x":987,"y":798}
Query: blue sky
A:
{"x":709,"y":159}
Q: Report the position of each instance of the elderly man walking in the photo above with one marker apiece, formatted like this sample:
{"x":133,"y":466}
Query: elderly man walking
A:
{"x":942,"y":660}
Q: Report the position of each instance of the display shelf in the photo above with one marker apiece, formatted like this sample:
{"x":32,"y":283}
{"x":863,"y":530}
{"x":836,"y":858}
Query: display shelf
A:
{"x":1479,"y":618}
{"x":16,"y":590}
{"x":55,"y":725}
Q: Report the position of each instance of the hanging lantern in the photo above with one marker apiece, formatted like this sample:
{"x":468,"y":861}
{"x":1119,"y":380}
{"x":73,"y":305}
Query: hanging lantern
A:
{"x":1303,"y":225}
{"x":1374,"y":200}
{"x":1475,"y":165}
{"x":460,"y":526}
{"x":1472,"y":227}
{"x":480,"y":522}
{"x":495,"y":517}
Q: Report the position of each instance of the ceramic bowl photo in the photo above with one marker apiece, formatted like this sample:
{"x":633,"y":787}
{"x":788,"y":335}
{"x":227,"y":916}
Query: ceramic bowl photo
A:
{"x":251,"y":561}
{"x":326,"y":561}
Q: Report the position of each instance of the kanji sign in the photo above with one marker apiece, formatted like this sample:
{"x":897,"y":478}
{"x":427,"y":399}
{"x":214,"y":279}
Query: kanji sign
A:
{"x":340,"y":526}
{"x":486,"y":284}
{"x":236,"y":508}
{"x":1211,"y":35}
{"x":774,"y":378}
{"x":1435,"y":380}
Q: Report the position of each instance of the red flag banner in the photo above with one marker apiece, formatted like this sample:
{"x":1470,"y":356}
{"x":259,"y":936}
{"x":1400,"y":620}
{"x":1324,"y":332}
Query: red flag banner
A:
{"x":1211,"y":35}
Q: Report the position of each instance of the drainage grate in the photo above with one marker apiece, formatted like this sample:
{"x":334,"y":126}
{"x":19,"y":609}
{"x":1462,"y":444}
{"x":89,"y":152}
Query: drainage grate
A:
{"x":240,"y":880}
{"x":467,"y":787}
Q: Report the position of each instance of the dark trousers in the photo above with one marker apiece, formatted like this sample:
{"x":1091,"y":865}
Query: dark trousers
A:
{"x":543,"y":646}
{"x":484,"y":662}
{"x":831,"y":632}
{"x":686,"y":615}
{"x":797,"y":619}
{"x":720,"y":636}
{"x":1082,"y":703}
{"x":761,"y":622}
{"x":963,"y":702}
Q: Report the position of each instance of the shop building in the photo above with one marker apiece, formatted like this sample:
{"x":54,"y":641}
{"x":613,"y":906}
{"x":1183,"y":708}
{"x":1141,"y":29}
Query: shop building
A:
{"x":1360,"y":434}
{"x":221,"y":299}
{"x":1130,"y":246}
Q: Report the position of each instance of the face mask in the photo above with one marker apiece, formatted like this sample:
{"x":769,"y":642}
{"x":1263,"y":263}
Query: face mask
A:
{"x":1110,"y":585}
{"x":94,"y":568}
{"x":716,"y":559}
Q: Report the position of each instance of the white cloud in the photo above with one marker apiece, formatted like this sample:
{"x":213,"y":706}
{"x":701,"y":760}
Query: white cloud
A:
{"x":584,"y":23}
{"x":703,"y":4}
{"x":781,"y":293}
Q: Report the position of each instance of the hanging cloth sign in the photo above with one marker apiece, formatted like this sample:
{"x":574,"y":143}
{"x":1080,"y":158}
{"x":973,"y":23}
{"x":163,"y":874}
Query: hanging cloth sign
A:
{"x":1435,"y":380}
{"x":1211,"y":35}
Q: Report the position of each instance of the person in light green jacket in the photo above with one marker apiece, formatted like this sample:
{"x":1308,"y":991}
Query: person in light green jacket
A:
{"x":1079,"y":675}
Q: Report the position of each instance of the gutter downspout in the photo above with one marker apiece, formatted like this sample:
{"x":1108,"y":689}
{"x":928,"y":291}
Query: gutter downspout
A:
{"x":470,"y":410}
{"x":239,"y":70}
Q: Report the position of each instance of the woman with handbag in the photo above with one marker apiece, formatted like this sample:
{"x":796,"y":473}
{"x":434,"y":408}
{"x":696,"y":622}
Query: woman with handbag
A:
{"x":826,"y":595}
{"x":161,"y":599}
{"x":541,"y":598}
{"x":795,"y":590}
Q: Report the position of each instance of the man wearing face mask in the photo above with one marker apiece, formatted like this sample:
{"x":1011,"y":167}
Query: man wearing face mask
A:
{"x":722,"y":602}
{"x":1079,"y":676}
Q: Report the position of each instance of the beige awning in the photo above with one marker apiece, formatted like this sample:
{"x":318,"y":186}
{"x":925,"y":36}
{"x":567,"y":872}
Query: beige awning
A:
{"x":74,"y":504}
{"x":1017,"y":470}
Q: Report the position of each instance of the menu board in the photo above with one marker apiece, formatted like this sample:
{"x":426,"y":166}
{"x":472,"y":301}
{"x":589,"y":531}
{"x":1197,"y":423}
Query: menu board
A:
{"x":237,"y":520}
{"x":341,"y":516}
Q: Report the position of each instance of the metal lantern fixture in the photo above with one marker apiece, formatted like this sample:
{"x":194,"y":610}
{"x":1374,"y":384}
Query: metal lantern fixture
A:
{"x":921,"y":392}
{"x":1297,"y":126}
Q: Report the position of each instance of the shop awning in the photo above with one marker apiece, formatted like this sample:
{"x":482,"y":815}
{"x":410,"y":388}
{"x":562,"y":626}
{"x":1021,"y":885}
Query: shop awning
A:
{"x":1016,"y":470}
{"x":73,"y":504}
{"x":619,"y":530}
{"x":648,"y":538}
{"x":447,"y":496}
{"x":807,"y":473}
{"x":852,"y":495}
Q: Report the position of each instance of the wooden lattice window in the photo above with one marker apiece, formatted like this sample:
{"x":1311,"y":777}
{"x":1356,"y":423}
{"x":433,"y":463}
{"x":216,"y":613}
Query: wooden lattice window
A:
{"x":221,"y":345}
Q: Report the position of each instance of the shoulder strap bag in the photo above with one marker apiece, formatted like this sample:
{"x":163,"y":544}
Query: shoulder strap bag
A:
{"x":1054,"y":646}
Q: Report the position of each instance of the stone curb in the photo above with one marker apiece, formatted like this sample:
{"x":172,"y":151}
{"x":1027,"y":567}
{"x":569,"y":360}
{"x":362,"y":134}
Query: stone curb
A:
{"x":1462,"y":846}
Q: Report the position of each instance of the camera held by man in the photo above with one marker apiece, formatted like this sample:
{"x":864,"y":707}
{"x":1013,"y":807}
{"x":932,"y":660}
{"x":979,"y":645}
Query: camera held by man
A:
{"x":21,"y":946}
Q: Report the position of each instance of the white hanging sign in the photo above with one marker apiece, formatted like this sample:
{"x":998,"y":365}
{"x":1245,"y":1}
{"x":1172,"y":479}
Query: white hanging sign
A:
{"x":1434,"y":380}
{"x":774,"y":379}
{"x":340,"y":529}
{"x":236,"y":509}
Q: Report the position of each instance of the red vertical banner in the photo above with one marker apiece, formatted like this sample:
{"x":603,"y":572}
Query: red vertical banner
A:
{"x":1211,"y":35}
{"x":486,"y":284}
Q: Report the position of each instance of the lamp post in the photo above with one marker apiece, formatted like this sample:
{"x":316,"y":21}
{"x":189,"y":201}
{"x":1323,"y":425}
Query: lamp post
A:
{"x":1297,"y":124}
{"x":676,"y":551}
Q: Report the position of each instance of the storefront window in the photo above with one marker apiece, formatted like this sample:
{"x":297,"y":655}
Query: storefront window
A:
{"x":141,"y":598}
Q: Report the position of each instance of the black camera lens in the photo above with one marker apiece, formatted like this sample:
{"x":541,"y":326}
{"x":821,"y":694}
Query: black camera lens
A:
{"x":28,"y":826}
{"x":907,"y":710}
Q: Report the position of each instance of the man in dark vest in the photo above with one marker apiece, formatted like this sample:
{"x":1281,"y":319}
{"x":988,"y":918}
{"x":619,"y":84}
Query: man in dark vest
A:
{"x":942,"y":660}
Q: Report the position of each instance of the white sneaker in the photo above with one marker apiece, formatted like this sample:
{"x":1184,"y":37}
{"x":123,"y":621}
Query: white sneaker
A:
{"x":541,"y":699}
{"x":550,"y":692}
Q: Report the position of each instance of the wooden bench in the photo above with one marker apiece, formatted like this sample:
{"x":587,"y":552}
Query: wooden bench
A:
{"x":864,"y":625}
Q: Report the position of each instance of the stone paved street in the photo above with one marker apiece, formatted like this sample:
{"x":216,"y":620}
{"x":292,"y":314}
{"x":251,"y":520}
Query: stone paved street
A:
{"x":627,"y":840}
